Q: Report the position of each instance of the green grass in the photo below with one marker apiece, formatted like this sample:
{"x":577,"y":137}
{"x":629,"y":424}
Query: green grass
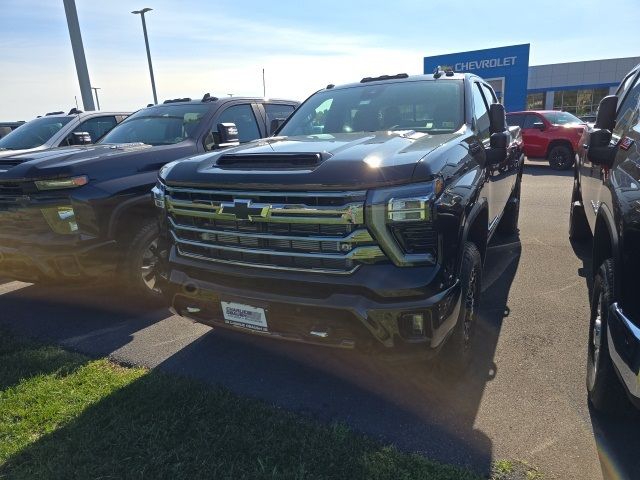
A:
{"x":63,"y":415}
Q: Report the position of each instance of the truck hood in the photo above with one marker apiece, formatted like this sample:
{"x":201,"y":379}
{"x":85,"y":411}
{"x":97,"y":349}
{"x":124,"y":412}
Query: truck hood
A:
{"x":13,"y":153}
{"x":97,"y":161}
{"x":345,"y":161}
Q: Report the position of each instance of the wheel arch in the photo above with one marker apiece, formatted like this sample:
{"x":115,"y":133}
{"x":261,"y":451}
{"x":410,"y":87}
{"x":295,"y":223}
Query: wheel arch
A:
{"x":131,"y":214}
{"x":605,"y":243}
{"x":476,"y":228}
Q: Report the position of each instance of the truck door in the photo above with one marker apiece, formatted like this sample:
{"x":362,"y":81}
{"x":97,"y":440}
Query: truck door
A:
{"x":593,"y":177}
{"x":533,"y":136}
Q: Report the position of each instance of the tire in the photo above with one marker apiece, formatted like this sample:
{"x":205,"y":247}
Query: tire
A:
{"x":509,"y":222}
{"x":459,"y":348}
{"x":579,"y":230}
{"x":139,"y":267}
{"x":560,"y":157}
{"x":605,"y":392}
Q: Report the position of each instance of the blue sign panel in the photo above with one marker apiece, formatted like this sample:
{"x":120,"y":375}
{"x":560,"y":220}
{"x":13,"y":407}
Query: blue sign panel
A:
{"x":506,"y":68}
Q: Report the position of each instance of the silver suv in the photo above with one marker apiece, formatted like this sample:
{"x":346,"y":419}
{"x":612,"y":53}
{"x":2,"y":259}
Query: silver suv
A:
{"x":56,"y":129}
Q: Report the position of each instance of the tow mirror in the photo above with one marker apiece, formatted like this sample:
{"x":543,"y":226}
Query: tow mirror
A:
{"x":497,"y":151}
{"x":600,"y":151}
{"x":497,"y":118}
{"x":228,"y":135}
{"x":606,"y":116}
{"x":276,"y":123}
{"x":79,"y":138}
{"x":538,"y":125}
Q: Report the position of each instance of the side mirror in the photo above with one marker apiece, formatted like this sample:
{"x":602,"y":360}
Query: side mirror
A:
{"x":497,"y":118}
{"x":539,"y":126}
{"x":228,"y":135}
{"x":600,"y":151}
{"x":79,"y":138}
{"x":497,"y":151}
{"x":606,"y":116}
{"x":276,"y":123}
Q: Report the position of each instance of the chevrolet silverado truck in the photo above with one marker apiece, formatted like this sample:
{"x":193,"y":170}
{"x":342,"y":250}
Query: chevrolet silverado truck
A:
{"x":549,"y":134}
{"x":55,"y":129}
{"x":605,"y":208}
{"x":86,"y":212}
{"x":363,"y":223}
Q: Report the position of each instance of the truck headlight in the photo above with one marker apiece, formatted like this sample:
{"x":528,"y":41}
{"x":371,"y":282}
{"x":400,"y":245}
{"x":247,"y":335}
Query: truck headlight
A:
{"x":402,"y":221}
{"x":158,"y":194}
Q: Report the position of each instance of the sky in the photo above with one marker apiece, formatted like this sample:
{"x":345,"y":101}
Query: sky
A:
{"x":200,"y":46}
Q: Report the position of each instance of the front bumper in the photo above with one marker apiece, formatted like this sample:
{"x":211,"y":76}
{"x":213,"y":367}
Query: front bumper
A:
{"x":624,"y":348}
{"x":323,"y":309}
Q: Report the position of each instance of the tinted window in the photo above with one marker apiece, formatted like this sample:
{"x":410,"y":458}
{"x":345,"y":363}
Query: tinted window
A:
{"x":561,"y":118}
{"x":34,"y":133}
{"x":425,"y":106}
{"x":245,"y":120}
{"x":628,"y":110}
{"x":481,"y":112}
{"x":274,"y":111}
{"x":97,"y":126}
{"x":515,"y":120}
{"x":159,"y":125}
{"x":530,"y":120}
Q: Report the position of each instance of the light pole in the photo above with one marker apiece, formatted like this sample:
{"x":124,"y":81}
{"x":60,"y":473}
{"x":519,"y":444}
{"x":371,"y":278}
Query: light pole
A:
{"x":78,"y":53}
{"x":146,"y":42}
{"x":95,"y":89}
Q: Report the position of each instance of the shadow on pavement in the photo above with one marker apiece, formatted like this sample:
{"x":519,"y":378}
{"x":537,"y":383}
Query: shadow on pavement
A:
{"x":541,"y":167}
{"x":617,"y":438}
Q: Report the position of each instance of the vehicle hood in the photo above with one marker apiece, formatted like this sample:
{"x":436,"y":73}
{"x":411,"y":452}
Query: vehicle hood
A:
{"x":13,"y":153}
{"x":97,"y":161}
{"x":349,"y":160}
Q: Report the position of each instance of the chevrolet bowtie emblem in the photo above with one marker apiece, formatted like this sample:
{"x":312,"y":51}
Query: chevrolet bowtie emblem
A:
{"x":244,"y":210}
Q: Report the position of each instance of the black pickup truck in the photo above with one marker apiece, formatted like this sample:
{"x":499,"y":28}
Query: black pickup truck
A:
{"x":363,"y":223}
{"x":86,"y":212}
{"x":605,"y":207}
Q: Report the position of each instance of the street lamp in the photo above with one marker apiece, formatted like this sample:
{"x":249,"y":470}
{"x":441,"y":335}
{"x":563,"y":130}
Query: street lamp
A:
{"x":146,"y":42}
{"x":95,"y":89}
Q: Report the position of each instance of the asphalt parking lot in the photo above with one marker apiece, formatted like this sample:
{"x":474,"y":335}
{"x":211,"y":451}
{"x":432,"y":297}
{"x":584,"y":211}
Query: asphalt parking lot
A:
{"x":525,"y":398}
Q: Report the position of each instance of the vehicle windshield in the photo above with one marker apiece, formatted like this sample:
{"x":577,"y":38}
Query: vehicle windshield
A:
{"x":160,"y":125}
{"x":423,"y":106}
{"x":34,"y":133}
{"x":561,"y":118}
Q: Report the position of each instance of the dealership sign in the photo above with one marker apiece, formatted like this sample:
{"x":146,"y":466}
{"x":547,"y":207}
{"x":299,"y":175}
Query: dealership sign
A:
{"x":509,"y":65}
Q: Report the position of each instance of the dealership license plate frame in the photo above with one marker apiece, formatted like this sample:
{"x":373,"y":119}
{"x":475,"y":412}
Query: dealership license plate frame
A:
{"x":245,"y":316}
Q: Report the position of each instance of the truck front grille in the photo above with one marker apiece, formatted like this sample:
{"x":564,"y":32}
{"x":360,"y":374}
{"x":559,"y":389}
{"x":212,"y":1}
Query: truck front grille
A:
{"x":307,"y":231}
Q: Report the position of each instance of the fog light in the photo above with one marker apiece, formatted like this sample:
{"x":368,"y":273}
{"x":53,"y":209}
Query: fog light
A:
{"x":61,"y":219}
{"x":417,"y":324}
{"x":193,"y":310}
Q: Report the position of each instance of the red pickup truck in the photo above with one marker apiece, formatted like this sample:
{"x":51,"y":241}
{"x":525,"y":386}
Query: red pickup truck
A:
{"x":549,"y":134}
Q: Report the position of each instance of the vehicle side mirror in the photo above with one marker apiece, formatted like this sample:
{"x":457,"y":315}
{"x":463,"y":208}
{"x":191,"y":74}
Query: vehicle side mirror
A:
{"x":228,"y":135}
{"x":79,"y":138}
{"x":600,"y":151}
{"x":497,"y":151}
{"x":539,"y":126}
{"x":497,"y":118}
{"x":606,"y":116}
{"x":276,"y":123}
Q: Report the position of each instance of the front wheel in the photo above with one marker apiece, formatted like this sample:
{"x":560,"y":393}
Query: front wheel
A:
{"x":603,"y":386}
{"x":141,"y":265}
{"x":560,"y":157}
{"x":459,"y":348}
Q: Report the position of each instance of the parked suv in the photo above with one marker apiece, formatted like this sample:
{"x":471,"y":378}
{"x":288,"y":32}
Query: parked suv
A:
{"x":56,"y":129}
{"x":605,"y":206}
{"x":7,"y":127}
{"x":86,"y":212}
{"x":363,"y":223}
{"x":549,"y":134}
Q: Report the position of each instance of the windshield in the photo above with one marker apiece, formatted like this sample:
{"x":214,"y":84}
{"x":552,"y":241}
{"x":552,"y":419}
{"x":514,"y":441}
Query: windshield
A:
{"x":424,"y":106}
{"x":561,"y":118}
{"x":161,"y":125}
{"x":34,"y":133}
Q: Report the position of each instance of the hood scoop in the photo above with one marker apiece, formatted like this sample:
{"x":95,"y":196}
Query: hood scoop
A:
{"x":7,"y":163}
{"x":271,"y":161}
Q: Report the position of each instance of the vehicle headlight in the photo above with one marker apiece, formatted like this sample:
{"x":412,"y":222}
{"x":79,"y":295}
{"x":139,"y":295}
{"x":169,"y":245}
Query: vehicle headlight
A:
{"x":61,"y":183}
{"x":164,"y":171}
{"x":402,"y":221}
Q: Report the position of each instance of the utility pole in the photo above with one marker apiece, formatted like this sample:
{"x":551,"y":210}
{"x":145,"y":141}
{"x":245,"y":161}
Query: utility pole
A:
{"x":264,"y":87}
{"x":78,"y":54}
{"x":95,"y":89}
{"x":146,"y":42}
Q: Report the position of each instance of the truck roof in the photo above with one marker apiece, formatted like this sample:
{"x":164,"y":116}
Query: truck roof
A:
{"x":403,"y":77}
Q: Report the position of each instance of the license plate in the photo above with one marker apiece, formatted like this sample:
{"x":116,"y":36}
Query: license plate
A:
{"x":244,"y":316}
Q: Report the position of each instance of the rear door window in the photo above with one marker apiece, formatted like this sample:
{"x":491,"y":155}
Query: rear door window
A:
{"x":97,"y":126}
{"x":277,"y":111}
{"x":529,"y":120}
{"x":242,"y":115}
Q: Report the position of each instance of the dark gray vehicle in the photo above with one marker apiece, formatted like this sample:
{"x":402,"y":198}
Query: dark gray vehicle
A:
{"x":7,"y":127}
{"x":56,"y":129}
